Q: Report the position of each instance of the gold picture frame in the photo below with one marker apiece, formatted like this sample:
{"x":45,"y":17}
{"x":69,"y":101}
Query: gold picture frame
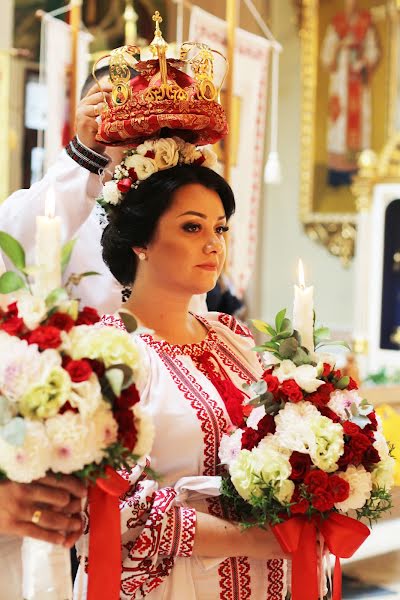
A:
{"x":330,"y":149}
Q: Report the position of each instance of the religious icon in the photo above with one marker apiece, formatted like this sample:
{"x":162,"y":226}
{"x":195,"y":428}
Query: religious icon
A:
{"x":120,"y":94}
{"x":350,"y":52}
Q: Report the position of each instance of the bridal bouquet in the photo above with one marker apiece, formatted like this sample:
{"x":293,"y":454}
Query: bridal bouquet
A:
{"x":310,"y":450}
{"x":68,"y":404}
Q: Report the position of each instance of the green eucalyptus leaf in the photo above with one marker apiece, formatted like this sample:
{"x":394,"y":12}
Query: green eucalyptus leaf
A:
{"x":282,"y":336}
{"x":263,"y":327}
{"x":66,"y":252}
{"x":360,"y":420}
{"x":259,"y":387}
{"x":322,"y":333}
{"x":288,"y":347}
{"x":286,"y":325}
{"x":301,"y":357}
{"x":323,"y":343}
{"x":11,"y":282}
{"x":279,"y":319}
{"x":13,"y":249}
{"x":128,"y":320}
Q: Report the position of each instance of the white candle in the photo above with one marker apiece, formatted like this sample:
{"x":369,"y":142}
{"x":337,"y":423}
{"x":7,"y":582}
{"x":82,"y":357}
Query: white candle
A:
{"x":303,"y":311}
{"x":48,"y":248}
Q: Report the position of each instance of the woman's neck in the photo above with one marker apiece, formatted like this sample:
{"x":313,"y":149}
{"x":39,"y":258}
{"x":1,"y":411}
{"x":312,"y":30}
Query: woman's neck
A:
{"x":167,"y":314}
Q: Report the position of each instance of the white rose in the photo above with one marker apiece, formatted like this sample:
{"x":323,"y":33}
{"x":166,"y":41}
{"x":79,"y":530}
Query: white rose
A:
{"x":189,"y":153}
{"x":360,"y":488}
{"x":211,"y":158}
{"x":142,"y":149}
{"x":32,"y":309}
{"x":111,"y":193}
{"x":167,"y":154}
{"x":230,"y":447}
{"x":143,"y":166}
{"x":307,"y":378}
{"x":285,"y":370}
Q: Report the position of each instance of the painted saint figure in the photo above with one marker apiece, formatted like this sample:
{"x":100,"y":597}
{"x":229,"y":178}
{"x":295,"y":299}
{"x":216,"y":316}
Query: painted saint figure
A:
{"x":351,"y":52}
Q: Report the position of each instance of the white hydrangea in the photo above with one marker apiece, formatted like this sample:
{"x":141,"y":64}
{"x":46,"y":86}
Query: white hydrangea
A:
{"x":145,"y":429}
{"x":73,"y":442}
{"x":111,"y":193}
{"x":360,"y":483}
{"x":32,"y":309}
{"x":340,"y":401}
{"x":29,"y":461}
{"x":383,"y":473}
{"x":105,"y":429}
{"x":230,"y":447}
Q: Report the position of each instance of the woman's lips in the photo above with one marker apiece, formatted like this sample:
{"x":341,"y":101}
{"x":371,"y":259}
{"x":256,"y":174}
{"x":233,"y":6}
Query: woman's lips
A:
{"x":208,"y":267}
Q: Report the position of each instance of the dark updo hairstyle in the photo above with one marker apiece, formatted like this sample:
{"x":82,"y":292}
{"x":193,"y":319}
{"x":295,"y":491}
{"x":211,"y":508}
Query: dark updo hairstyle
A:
{"x":133,"y":222}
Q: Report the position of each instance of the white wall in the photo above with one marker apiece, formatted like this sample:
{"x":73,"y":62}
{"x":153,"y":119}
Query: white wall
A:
{"x":283,"y":240}
{"x":6,"y":24}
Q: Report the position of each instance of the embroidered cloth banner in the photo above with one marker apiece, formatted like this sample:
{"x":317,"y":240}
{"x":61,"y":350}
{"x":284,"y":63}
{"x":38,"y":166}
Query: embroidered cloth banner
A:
{"x":252,"y":57}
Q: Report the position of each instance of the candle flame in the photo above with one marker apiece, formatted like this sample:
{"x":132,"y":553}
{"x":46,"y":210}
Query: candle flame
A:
{"x":300,"y":272}
{"x":50,"y":203}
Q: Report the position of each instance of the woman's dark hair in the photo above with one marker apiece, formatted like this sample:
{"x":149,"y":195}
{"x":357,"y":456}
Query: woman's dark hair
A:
{"x":134,"y":222}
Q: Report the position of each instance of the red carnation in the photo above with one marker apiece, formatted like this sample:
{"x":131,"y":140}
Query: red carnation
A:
{"x":337,"y":374}
{"x":97,"y":366}
{"x":350,"y":428}
{"x":371,"y":457}
{"x":352,"y":384}
{"x":127,"y":433}
{"x":79,"y":370}
{"x":45,"y":337}
{"x":316,"y":479}
{"x":339,"y":488}
{"x":327,"y":412}
{"x":150,"y":154}
{"x":88,"y":316}
{"x":300,"y":505}
{"x":124,"y":185}
{"x":327,"y":370}
{"x":322,"y":395}
{"x":347,"y":457}
{"x":266,"y":425}
{"x":62,"y":321}
{"x":290,"y":389}
{"x":12,"y":326}
{"x":322,"y":499}
{"x":133,"y":174}
{"x":360,"y":443}
{"x":301,"y":464}
{"x":271,"y":381}
{"x":12,"y":310}
{"x":373,"y":425}
{"x":250,"y":438}
{"x":128,"y":397}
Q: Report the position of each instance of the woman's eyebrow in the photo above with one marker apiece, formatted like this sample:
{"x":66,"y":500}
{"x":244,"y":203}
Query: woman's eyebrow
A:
{"x":198,"y":214}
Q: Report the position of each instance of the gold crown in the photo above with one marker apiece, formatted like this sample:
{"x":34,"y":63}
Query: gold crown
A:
{"x":175,"y":94}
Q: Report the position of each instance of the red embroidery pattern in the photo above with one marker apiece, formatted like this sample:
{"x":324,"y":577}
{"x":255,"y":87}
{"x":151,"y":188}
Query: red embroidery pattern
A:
{"x":276,"y":579}
{"x":234,"y":325}
{"x":235,"y":579}
{"x":111,"y":321}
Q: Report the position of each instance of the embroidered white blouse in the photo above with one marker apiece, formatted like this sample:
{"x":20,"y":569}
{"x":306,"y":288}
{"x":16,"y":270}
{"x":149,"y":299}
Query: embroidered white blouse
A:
{"x":158,"y":518}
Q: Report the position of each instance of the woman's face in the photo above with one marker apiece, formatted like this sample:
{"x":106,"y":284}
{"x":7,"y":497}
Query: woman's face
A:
{"x":187,"y":252}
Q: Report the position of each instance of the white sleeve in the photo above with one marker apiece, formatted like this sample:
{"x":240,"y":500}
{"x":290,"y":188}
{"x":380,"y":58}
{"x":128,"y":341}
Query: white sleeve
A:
{"x":76,"y":190}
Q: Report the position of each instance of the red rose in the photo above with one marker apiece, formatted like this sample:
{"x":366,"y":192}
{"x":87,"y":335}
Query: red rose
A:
{"x":316,"y":479}
{"x":67,"y":406}
{"x":79,"y":370}
{"x":127,"y":433}
{"x":128,"y":397}
{"x":301,"y":464}
{"x":62,"y":321}
{"x":124,"y":185}
{"x":247,"y":409}
{"x":327,"y":412}
{"x":360,"y":443}
{"x":322,"y":395}
{"x":266,"y":425}
{"x":327,"y":370}
{"x":337,"y":374}
{"x":45,"y":337}
{"x":250,"y":438}
{"x":88,"y":316}
{"x":132,"y":174}
{"x":373,"y":425}
{"x":12,"y":310}
{"x":150,"y":154}
{"x":200,"y":160}
{"x":271,"y":381}
{"x":347,"y":457}
{"x":371,"y":457}
{"x":290,"y":389}
{"x":350,"y":428}
{"x":352,"y":384}
{"x":322,"y":499}
{"x":12,"y":326}
{"x":97,"y":366}
{"x":339,"y":488}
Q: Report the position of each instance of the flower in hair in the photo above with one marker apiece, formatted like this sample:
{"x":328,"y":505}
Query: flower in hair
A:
{"x":150,"y":157}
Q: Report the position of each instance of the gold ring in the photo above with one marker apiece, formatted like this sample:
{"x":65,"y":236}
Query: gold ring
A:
{"x":36,"y":517}
{"x":96,"y":110}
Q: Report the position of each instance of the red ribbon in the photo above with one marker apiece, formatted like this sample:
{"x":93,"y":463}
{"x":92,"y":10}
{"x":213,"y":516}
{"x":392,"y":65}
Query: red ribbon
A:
{"x":298,"y":537}
{"x":104,"y":570}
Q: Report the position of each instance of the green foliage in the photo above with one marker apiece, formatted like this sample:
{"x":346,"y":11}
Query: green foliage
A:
{"x":378,"y":503}
{"x":66,"y":252}
{"x":13,"y":249}
{"x":56,"y":297}
{"x":382,"y":377}
{"x":128,"y":320}
{"x":11,"y":282}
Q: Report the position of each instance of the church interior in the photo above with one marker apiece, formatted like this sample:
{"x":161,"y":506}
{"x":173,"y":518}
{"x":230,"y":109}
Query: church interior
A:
{"x":312,"y":98}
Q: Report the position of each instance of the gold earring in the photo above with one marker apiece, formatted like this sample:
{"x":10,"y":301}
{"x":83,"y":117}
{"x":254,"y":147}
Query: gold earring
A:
{"x":142,"y":256}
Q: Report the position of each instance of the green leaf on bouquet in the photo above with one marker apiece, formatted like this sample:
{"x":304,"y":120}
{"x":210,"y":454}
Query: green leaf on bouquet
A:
{"x":263,"y":327}
{"x":288,"y":348}
{"x":11,"y":282}
{"x":66,"y":252}
{"x":301,"y":357}
{"x":282,"y":336}
{"x":115,"y":378}
{"x":280,"y":317}
{"x":56,"y":297}
{"x":13,"y":249}
{"x":342,"y":383}
{"x":14,"y":432}
{"x":323,"y":343}
{"x":322,"y":333}
{"x":128,"y":320}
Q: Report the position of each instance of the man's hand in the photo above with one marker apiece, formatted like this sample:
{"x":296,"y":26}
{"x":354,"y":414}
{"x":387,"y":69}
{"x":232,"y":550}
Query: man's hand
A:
{"x":47,"y":509}
{"x":88,"y":109}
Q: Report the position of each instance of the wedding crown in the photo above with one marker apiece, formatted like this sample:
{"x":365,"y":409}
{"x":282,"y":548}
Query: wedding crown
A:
{"x":162,"y":97}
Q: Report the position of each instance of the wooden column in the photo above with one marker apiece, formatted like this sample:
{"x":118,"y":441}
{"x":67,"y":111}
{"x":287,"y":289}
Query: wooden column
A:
{"x":75,"y":23}
{"x":231,"y":22}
